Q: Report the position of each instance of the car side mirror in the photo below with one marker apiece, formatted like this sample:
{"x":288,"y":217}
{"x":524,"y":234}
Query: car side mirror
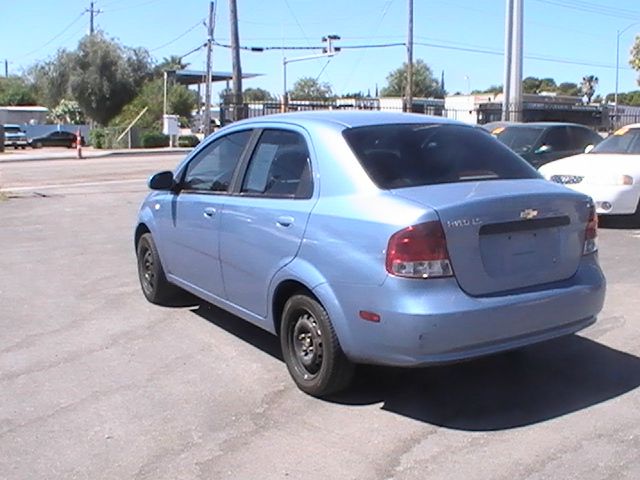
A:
{"x":161,"y":181}
{"x":588,"y":148}
{"x":543,"y":149}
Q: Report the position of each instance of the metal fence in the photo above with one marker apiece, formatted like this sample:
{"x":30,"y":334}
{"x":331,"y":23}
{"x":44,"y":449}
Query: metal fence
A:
{"x":598,"y":117}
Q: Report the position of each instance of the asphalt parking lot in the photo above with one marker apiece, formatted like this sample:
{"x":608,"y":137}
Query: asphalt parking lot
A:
{"x":96,"y":383}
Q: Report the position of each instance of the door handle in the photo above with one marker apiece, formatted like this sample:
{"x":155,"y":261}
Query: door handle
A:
{"x":285,"y":221}
{"x":209,"y":212}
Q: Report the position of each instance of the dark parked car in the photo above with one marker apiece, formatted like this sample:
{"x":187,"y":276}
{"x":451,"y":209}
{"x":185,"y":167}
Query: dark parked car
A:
{"x":544,"y":142}
{"x":58,"y":138}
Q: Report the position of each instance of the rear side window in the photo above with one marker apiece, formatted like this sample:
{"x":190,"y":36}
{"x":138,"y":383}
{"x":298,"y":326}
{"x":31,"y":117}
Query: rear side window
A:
{"x":583,"y":137}
{"x":397,"y":156}
{"x":279,"y":167}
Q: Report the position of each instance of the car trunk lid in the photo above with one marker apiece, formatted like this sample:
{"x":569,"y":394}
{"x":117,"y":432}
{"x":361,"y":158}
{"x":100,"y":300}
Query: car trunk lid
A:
{"x":508,"y":234}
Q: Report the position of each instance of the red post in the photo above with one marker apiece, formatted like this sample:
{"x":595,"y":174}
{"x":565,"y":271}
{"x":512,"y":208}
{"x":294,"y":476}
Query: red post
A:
{"x":79,"y":143}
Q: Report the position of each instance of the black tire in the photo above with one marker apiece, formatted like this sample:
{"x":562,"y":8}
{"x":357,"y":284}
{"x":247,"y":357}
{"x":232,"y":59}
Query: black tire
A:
{"x":155,"y":286}
{"x":635,"y":217}
{"x":311,"y":349}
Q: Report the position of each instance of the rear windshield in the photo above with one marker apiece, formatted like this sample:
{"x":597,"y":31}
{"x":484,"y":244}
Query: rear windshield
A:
{"x":12,"y":130}
{"x":410,"y":155}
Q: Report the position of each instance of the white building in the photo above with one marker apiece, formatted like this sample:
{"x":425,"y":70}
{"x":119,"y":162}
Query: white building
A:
{"x":24,"y":115}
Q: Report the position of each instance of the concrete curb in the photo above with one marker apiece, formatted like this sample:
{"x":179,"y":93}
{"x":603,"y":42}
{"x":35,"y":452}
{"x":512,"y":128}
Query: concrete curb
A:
{"x":15,"y":158}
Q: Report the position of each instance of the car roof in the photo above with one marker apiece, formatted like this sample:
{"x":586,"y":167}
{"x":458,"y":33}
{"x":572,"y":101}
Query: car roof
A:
{"x":349,"y":118}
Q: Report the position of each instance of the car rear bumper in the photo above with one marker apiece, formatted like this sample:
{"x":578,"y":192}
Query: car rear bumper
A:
{"x":611,"y":199}
{"x":426,"y":322}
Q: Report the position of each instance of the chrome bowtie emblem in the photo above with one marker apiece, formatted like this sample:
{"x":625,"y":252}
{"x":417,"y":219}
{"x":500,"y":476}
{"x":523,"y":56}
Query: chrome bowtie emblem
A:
{"x":528,"y":214}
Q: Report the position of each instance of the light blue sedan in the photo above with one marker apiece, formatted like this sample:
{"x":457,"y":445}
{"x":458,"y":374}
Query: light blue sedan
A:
{"x":367,"y":237}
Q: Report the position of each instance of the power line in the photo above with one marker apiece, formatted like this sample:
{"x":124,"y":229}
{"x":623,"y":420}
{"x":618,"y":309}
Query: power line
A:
{"x":199,"y":47}
{"x":293,"y":14}
{"x":356,"y":64}
{"x":129,"y":7}
{"x":470,"y":49}
{"x":55,"y":37}
{"x":189,"y":30}
{"x":588,"y":7}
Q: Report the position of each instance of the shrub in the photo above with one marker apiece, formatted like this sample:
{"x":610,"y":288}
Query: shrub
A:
{"x":188,"y":141}
{"x":97,"y":137}
{"x":154,"y":140}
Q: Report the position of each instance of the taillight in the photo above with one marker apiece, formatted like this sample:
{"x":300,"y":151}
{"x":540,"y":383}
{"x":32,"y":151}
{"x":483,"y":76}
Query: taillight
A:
{"x":591,"y":233}
{"x":419,"y":251}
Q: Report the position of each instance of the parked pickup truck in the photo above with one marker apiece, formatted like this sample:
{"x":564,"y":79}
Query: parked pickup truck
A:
{"x":15,"y":137}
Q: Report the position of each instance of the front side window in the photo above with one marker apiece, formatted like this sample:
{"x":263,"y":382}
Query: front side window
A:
{"x":279,"y":166}
{"x":212,"y":169}
{"x":411,"y":155}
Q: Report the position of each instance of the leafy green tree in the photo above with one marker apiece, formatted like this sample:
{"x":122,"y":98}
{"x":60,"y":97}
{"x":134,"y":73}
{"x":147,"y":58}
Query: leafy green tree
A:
{"x":173,"y":62}
{"x":548,"y":85}
{"x":101,"y":75}
{"x":257,"y":95}
{"x":634,"y":61}
{"x":588,"y":86}
{"x":180,"y":101}
{"x":15,"y":91}
{"x":50,"y":79}
{"x":424,"y":84}
{"x":537,"y":85}
{"x":308,"y":88}
{"x":625,"y":98}
{"x":493,"y":89}
{"x":353,"y":95}
{"x":106,"y":76}
{"x":226,"y":95}
{"x":67,"y":111}
{"x":569,"y":88}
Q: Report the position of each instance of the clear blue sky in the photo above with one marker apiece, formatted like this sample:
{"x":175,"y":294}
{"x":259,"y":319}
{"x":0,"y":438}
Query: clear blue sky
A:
{"x":564,"y":39}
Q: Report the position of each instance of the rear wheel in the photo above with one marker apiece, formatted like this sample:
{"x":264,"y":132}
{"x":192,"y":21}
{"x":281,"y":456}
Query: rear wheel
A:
{"x":311,"y":349}
{"x":155,"y":286}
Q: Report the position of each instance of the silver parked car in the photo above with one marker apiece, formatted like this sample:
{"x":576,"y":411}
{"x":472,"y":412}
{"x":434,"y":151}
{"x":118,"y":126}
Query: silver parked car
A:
{"x":367,"y":237}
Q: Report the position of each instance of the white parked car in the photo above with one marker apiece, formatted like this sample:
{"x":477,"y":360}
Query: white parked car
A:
{"x":609,"y":173}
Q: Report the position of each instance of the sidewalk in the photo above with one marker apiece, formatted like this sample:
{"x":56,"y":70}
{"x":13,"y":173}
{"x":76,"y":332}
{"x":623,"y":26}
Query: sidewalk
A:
{"x":11,"y":155}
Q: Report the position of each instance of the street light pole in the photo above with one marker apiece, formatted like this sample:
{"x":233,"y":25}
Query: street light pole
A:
{"x":615,"y":95}
{"x":329,"y":52}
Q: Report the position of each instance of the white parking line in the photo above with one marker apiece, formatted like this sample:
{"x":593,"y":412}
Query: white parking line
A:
{"x":71,"y":185}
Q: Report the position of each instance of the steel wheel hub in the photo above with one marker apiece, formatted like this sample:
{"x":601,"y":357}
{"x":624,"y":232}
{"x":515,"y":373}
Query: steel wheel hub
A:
{"x":307,"y":343}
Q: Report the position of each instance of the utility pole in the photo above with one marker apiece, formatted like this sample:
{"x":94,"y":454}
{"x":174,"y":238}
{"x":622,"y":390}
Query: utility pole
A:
{"x":516,"y":67}
{"x":93,"y":12}
{"x":238,"y":107}
{"x":508,"y":45}
{"x":409,"y":86}
{"x":6,"y":67}
{"x":207,"y":87}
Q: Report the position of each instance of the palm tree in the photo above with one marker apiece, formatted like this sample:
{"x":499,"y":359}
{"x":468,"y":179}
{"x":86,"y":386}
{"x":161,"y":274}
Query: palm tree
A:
{"x":588,"y":86}
{"x":173,"y":62}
